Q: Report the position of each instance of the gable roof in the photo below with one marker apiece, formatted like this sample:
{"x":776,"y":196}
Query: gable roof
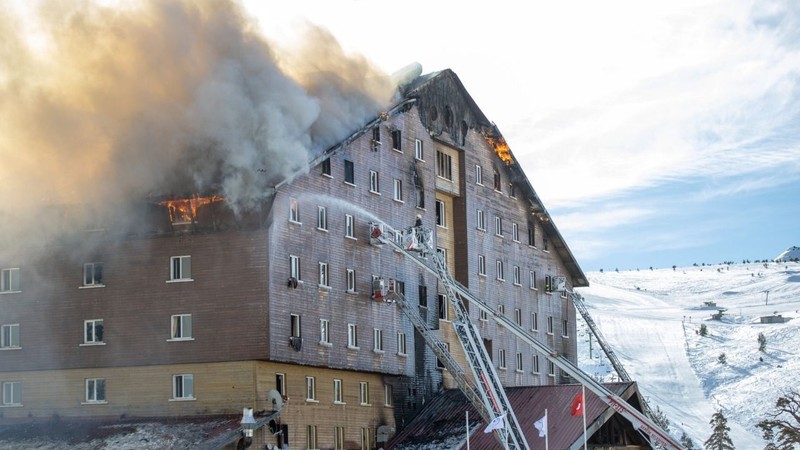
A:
{"x":442,"y":423}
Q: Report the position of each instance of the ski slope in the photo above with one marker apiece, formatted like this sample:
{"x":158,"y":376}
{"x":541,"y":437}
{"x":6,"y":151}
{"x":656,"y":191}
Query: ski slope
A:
{"x":651,"y":319}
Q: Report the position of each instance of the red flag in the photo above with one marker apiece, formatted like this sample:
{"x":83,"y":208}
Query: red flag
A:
{"x":577,"y":405}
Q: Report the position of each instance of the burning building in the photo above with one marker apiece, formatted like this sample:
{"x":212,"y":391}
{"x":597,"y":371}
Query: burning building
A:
{"x":203,"y":310}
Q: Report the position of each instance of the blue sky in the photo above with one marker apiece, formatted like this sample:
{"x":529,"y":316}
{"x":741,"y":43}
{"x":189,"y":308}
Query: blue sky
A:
{"x":655,"y":134}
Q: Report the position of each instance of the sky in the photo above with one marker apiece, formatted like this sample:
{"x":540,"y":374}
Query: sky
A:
{"x":678,"y":370}
{"x":657,"y":134}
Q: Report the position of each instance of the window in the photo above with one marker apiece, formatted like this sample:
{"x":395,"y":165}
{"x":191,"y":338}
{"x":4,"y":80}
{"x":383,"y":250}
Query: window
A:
{"x":388,"y":392}
{"x":93,"y":331}
{"x":534,"y":321}
{"x":374,"y":187}
{"x":398,"y":190}
{"x":311,"y":389}
{"x":446,"y":348}
{"x":181,"y":268}
{"x":183,"y":387}
{"x":499,"y":270}
{"x":295,"y":325}
{"x":442,"y":307}
{"x":93,"y":274}
{"x":326,"y":167}
{"x":322,"y":218}
{"x":420,"y":197}
{"x":377,"y":340}
{"x":444,"y":165}
{"x":441,"y":220}
{"x":338,"y":438}
{"x":338,"y":397}
{"x":401,"y":343}
{"x":551,"y":369}
{"x":280,"y":383}
{"x":397,"y":143}
{"x":517,"y":276}
{"x":311,"y":437}
{"x":545,"y":245}
{"x":548,"y":283}
{"x":549,"y":324}
{"x":12,"y":393}
{"x":423,"y":296}
{"x":514,"y":232}
{"x":518,"y":316}
{"x":418,"y":154}
{"x":532,"y":279}
{"x":535,"y":364}
{"x":349,"y":172}
{"x":351,"y":280}
{"x":532,"y":235}
{"x":95,"y":390}
{"x":481,"y":265}
{"x":481,"y":220}
{"x":498,"y":226}
{"x":497,"y":185}
{"x":501,"y":310}
{"x":501,"y":359}
{"x":181,"y":327}
{"x":376,"y":135}
{"x":565,"y":328}
{"x":366,"y":440}
{"x":519,"y":362}
{"x":324,"y":331}
{"x":349,"y":226}
{"x":294,"y":211}
{"x":352,"y":336}
{"x":483,"y":316}
{"x":323,"y":275}
{"x":9,"y":280}
{"x":9,"y":336}
{"x":479,"y":175}
{"x":294,"y":267}
{"x":364,"y":390}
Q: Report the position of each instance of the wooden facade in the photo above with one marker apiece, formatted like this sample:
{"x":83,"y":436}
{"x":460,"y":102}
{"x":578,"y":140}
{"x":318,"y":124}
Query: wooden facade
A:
{"x":287,"y":293}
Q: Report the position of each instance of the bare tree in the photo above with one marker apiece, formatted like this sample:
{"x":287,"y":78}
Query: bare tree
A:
{"x":782,"y":428}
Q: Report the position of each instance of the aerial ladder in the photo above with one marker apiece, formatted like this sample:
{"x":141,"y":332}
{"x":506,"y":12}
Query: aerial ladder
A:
{"x":416,"y":243}
{"x":486,"y":393}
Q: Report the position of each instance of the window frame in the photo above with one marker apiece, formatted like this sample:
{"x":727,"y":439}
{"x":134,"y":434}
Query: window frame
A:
{"x":178,"y":325}
{"x":517,"y":276}
{"x":338,"y":392}
{"x":481,"y":219}
{"x":294,"y":267}
{"x":88,"y":398}
{"x":349,"y":226}
{"x":311,"y":437}
{"x":374,"y":182}
{"x":514,"y":232}
{"x":326,"y":168}
{"x":377,"y":340}
{"x":322,"y":218}
{"x":388,"y":394}
{"x":363,"y":395}
{"x":10,"y":280}
{"x":349,"y":172}
{"x":9,"y":338}
{"x":351,"y":281}
{"x":182,"y":388}
{"x":397,"y":140}
{"x":482,"y":265}
{"x":444,"y":165}
{"x":501,"y":359}
{"x":518,"y":358}
{"x":12,"y":393}
{"x":95,"y":269}
{"x":498,"y":226}
{"x":499,"y":270}
{"x":324,"y":332}
{"x":92,"y":324}
{"x":441,"y":214}
{"x":178,"y":267}
{"x":311,"y":389}
{"x":402,"y":349}
{"x":534,"y":321}
{"x":478,"y":175}
{"x":398,"y":190}
{"x":294,"y":211}
{"x":324,"y":275}
{"x":352,"y":336}
{"x":419,"y":153}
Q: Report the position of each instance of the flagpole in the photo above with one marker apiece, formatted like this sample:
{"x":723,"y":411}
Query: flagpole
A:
{"x":583,"y":411}
{"x":467,"y":430}
{"x":546,"y":432}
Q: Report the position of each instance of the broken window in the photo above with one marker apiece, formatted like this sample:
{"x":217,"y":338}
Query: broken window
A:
{"x":326,"y":167}
{"x":497,"y":186}
{"x":396,"y":141}
{"x":349,"y":172}
{"x":93,"y":274}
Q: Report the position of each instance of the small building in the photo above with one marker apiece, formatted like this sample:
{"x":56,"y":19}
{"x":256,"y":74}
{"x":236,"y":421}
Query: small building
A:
{"x":775,"y":318}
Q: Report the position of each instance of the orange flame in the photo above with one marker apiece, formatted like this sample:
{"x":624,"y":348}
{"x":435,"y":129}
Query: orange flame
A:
{"x":184,"y":210}
{"x":501,"y":148}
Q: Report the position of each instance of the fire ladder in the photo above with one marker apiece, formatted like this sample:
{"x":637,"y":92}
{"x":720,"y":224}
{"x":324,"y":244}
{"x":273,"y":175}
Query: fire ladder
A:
{"x":618,"y":367}
{"x":487,"y":394}
{"x":416,"y":243}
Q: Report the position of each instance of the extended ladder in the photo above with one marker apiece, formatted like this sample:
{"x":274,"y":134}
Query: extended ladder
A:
{"x":618,"y":367}
{"x":457,"y":293}
{"x":487,"y":394}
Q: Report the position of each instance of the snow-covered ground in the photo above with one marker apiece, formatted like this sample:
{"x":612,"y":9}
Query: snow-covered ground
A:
{"x":651,"y":320}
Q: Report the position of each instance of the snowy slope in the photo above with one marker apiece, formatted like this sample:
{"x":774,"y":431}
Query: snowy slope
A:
{"x":651,"y":317}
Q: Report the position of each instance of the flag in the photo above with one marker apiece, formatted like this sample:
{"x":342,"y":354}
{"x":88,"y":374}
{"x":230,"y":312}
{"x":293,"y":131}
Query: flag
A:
{"x":495,"y":424}
{"x":541,"y":425}
{"x":577,"y":405}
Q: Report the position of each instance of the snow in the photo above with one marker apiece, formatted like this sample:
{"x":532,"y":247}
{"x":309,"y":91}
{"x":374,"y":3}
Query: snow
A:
{"x":790,"y":254}
{"x":651,"y":318}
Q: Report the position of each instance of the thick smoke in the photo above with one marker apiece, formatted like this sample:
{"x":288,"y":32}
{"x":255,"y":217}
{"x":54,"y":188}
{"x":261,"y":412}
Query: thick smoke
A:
{"x":156,"y":98}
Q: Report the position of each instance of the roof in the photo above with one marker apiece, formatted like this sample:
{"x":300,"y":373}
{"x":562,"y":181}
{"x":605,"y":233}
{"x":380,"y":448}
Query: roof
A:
{"x":443,"y":420}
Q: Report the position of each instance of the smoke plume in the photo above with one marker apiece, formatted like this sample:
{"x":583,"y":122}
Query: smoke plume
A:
{"x":106,"y":103}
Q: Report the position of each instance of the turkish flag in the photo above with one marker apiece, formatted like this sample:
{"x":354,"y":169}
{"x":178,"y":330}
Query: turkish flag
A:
{"x":577,"y":405}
